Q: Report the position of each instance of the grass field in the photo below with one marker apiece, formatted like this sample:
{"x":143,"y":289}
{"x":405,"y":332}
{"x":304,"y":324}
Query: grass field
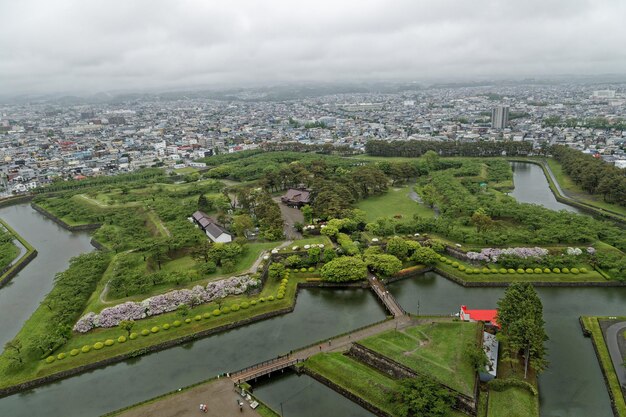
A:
{"x":434,"y":349}
{"x":591,"y":324}
{"x":576,"y":192}
{"x":8,"y":253}
{"x":359,"y":379}
{"x":39,"y":368}
{"x":356,"y":377}
{"x":394,"y":202}
{"x":513,"y":402}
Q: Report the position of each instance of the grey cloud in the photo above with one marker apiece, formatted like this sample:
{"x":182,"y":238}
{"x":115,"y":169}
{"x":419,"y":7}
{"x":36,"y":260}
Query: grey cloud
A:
{"x":88,"y":46}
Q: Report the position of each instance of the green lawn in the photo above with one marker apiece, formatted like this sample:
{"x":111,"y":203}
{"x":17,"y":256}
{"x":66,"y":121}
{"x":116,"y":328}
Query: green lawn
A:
{"x":394,"y":202}
{"x":356,"y":377}
{"x":435,"y":349}
{"x":186,"y":170}
{"x":513,"y":402}
{"x":39,"y":368}
{"x":183,"y":263}
{"x":359,"y":379}
{"x":577,"y":193}
{"x":591,"y":324}
{"x":8,"y":252}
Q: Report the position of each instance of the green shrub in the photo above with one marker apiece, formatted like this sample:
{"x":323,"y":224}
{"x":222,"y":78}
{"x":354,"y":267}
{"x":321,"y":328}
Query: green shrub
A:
{"x":155,"y":329}
{"x":565,"y":270}
{"x":281,"y":288}
{"x":476,"y":270}
{"x":284,"y":281}
{"x":502,"y":270}
{"x":98,"y":345}
{"x":234,"y":307}
{"x":206,"y":315}
{"x":455,"y":264}
{"x":225,"y":310}
{"x":85,"y":349}
{"x":216,"y":312}
{"x":270,"y":298}
{"x":302,"y":269}
{"x":449,"y":261}
{"x":556,"y":270}
{"x":262,"y":299}
{"x":503,"y":384}
{"x":311,"y":269}
{"x":74,"y":352}
{"x":461,"y":268}
{"x":280,"y":296}
{"x":145,"y":332}
{"x":574,"y":271}
{"x":133,"y":336}
{"x":253,"y":302}
{"x":529,"y":270}
{"x":520,"y":271}
{"x":166,"y":326}
{"x":121,"y":339}
{"x":177,"y":323}
{"x":197,"y":317}
{"x":510,"y":271}
{"x":546,"y":270}
{"x":61,"y":356}
{"x":245,"y":305}
{"x":537,"y":271}
{"x":109,"y":342}
{"x":486,"y":270}
{"x":583,"y":270}
{"x":187,"y":320}
{"x":50,"y":359}
{"x":469,"y":271}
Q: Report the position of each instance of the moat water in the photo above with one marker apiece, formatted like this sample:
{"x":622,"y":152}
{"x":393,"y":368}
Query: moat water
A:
{"x":572,"y":385}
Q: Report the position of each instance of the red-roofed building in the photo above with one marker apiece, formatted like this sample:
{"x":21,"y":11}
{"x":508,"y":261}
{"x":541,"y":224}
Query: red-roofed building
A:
{"x":486,"y":316}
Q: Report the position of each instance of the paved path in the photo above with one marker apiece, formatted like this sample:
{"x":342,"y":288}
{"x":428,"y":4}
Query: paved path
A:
{"x":385,"y":296}
{"x":290,"y":217}
{"x":341,"y":343}
{"x":218,"y":395}
{"x":612,"y":333}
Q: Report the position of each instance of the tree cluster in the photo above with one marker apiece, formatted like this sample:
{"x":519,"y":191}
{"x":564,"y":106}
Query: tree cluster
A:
{"x":520,"y":315}
{"x":593,"y":174}
{"x":414,"y":148}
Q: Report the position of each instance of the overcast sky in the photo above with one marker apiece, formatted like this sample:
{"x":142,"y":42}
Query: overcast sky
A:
{"x":91,"y":45}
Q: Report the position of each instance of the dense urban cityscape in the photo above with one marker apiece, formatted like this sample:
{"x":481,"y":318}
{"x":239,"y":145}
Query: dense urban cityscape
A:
{"x":41,"y":141}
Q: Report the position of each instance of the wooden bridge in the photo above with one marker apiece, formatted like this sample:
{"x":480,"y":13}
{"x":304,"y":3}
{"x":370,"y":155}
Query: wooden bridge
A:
{"x":339,"y":343}
{"x":389,"y":301}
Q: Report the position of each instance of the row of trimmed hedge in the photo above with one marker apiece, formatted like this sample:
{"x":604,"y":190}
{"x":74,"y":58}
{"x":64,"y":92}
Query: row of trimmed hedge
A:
{"x":296,"y":270}
{"x":155,"y":329}
{"x":493,"y":270}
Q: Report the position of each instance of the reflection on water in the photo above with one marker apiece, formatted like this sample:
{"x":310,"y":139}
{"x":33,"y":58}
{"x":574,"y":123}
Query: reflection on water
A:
{"x":531,"y":186}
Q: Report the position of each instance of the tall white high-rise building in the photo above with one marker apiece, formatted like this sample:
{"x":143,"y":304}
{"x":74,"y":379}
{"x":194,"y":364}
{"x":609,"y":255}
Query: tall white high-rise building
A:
{"x":500,"y":117}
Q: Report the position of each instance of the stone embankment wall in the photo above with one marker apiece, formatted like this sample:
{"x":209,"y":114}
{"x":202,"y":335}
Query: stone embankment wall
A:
{"x":396,"y":370}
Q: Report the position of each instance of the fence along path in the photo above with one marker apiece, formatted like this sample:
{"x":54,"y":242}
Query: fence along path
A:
{"x":340,"y":343}
{"x":390,"y":302}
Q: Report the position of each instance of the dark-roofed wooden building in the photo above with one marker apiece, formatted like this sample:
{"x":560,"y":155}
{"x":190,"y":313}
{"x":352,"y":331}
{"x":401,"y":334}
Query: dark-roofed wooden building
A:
{"x":214,"y":231}
{"x":296,"y":198}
